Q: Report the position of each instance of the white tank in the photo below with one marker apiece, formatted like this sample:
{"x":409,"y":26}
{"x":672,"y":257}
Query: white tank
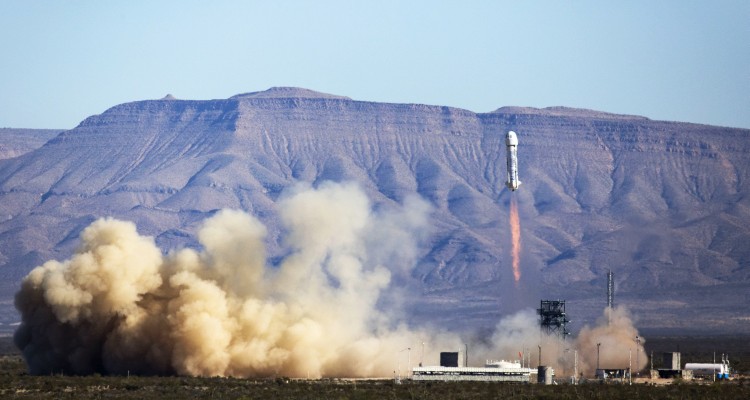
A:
{"x":707,"y":368}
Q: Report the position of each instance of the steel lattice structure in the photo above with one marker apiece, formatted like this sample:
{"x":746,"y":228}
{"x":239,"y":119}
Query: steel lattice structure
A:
{"x":552,"y":318}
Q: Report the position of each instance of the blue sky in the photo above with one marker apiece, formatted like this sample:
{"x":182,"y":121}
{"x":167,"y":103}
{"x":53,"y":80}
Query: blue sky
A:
{"x":668,"y":60}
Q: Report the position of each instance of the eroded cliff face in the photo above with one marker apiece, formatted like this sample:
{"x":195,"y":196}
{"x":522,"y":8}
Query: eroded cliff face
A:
{"x":662,"y":204}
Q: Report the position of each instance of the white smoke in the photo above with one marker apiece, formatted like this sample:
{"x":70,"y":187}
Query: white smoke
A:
{"x":119,"y":306}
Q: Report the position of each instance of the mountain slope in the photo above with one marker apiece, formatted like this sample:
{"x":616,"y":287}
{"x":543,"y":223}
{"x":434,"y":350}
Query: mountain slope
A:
{"x":662,"y":204}
{"x":15,"y":142}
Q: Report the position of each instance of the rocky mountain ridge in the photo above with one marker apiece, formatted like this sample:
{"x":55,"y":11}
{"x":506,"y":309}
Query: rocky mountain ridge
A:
{"x":662,"y":204}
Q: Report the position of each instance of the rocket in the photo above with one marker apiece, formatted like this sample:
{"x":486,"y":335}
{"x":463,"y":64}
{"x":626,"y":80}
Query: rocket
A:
{"x":511,"y":142}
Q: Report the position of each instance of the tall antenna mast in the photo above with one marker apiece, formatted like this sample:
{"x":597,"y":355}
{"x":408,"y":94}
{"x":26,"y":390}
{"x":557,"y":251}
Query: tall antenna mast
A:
{"x":610,"y":295}
{"x":610,"y":289}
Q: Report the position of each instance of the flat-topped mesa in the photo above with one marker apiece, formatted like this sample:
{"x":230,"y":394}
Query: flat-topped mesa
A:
{"x":559,"y":111}
{"x":288,"y":93}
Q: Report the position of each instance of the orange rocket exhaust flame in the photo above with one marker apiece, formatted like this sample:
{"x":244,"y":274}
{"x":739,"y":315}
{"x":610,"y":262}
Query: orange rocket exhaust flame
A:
{"x":515,"y":233}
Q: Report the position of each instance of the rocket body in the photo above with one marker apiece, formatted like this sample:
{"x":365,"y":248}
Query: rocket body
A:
{"x":511,"y":143}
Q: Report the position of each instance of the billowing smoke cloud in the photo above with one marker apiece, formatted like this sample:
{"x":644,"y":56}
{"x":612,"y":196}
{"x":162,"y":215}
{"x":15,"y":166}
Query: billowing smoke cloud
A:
{"x":617,"y":338}
{"x":118,"y":305}
{"x":614,"y":330}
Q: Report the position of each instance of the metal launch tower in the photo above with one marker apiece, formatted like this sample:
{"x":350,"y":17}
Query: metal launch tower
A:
{"x":552,"y":318}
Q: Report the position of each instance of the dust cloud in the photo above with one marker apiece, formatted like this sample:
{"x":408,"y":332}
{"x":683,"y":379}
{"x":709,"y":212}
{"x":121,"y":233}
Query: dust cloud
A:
{"x":618,"y":347}
{"x":119,"y":306}
{"x":520,"y":333}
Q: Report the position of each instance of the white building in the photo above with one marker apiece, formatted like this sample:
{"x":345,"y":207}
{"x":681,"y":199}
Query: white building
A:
{"x":495,"y":371}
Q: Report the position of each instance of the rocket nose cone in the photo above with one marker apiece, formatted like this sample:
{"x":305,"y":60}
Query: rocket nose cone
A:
{"x":511,"y":139}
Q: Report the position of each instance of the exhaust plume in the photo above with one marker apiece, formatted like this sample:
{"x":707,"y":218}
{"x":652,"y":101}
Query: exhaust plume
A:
{"x":119,"y":306}
{"x":515,"y":233}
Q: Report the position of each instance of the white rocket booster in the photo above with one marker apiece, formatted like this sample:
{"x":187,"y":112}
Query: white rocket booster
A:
{"x":511,"y":142}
